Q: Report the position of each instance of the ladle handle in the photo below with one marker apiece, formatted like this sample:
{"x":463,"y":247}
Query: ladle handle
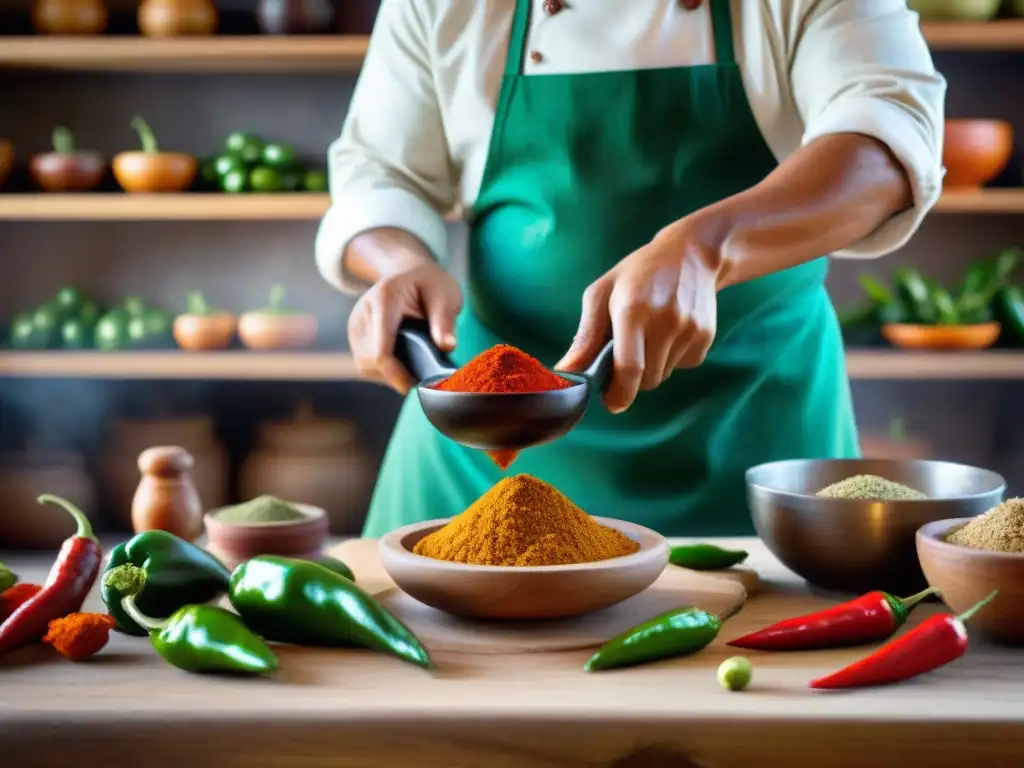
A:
{"x":599,"y":374}
{"x":416,"y":350}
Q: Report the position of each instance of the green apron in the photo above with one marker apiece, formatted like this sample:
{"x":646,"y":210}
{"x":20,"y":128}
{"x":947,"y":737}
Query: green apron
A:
{"x":582,"y":170}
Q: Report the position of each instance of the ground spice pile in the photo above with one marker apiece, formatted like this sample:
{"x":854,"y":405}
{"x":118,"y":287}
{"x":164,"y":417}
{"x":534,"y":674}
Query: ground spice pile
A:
{"x":503,"y":369}
{"x":79,"y":636}
{"x":1001,"y":529}
{"x":262,"y":509}
{"x":870,"y":488}
{"x":523,"y":521}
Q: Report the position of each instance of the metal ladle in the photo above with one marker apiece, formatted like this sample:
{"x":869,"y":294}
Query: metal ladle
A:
{"x":495,"y":421}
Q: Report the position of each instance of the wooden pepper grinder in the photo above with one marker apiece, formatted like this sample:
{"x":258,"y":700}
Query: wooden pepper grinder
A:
{"x":166,"y":498}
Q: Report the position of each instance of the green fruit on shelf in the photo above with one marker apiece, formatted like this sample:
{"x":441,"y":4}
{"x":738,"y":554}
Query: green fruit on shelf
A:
{"x":208,"y":172}
{"x":235,"y":181}
{"x":278,"y":155}
{"x":239,"y":140}
{"x":69,"y":299}
{"x":89,"y":312}
{"x":111,"y":332}
{"x":293,"y":180}
{"x":75,"y":333}
{"x":23,"y":333}
{"x":224,"y":164}
{"x":264,"y":179}
{"x":315,"y":181}
{"x":134,"y":305}
{"x":46,"y":321}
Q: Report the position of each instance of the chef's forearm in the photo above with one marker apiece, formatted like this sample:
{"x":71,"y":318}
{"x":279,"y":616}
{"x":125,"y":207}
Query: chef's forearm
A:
{"x":382,"y":252}
{"x":826,"y":196}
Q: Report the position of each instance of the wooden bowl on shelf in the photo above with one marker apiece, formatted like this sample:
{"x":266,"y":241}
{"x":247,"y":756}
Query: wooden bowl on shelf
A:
{"x":966,"y":576}
{"x":941,"y":337}
{"x":975,"y":151}
{"x":165,"y":172}
{"x":262,"y":330}
{"x":509,"y":592}
{"x":6,"y":160}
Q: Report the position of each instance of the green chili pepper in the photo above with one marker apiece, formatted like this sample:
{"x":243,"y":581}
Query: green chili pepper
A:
{"x":301,"y":602}
{"x":878,"y":292}
{"x":1010,"y":307}
{"x":915,"y":295}
{"x":679,"y":632}
{"x":983,"y":281}
{"x":333,"y":564}
{"x":204,"y":638}
{"x":7,"y":578}
{"x":177,"y":573}
{"x":943,"y":304}
{"x":705,"y":557}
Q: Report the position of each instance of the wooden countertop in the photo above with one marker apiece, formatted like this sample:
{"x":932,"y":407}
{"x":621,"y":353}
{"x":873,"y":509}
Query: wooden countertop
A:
{"x":355,"y":708}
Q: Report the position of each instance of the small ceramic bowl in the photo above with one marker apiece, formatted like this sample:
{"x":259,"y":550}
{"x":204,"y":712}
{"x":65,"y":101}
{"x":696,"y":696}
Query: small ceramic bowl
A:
{"x":506,"y":592}
{"x":204,"y":332}
{"x":975,"y":151}
{"x":260,"y":330}
{"x":967,"y":576}
{"x":235,"y":543}
{"x":942,"y":337}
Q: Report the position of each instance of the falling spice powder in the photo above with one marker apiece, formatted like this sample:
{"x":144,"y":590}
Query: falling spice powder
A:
{"x":523,"y":521}
{"x":870,"y":488}
{"x":1001,"y":529}
{"x":503,"y":369}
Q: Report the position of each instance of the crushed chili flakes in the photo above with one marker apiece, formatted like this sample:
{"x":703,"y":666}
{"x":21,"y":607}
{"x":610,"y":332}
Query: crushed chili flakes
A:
{"x":78,"y":636}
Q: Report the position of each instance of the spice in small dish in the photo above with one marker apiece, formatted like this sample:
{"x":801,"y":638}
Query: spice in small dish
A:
{"x":523,"y":521}
{"x":870,"y":488}
{"x":262,"y":509}
{"x":1001,"y":529}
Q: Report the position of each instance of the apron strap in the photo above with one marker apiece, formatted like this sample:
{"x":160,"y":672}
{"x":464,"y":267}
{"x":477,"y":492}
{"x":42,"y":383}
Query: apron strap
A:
{"x":517,"y":38}
{"x":721,"y":25}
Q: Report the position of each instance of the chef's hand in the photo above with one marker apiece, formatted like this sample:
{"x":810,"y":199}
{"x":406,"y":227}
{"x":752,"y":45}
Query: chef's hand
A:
{"x":660,"y":306}
{"x":423,"y":290}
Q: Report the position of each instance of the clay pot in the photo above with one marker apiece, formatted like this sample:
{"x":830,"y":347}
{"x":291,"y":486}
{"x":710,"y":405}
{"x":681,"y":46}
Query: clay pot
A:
{"x":295,"y":17}
{"x":166,"y":498}
{"x":234,"y":543}
{"x":177,"y":18}
{"x":69,"y":17}
{"x":78,"y":172}
{"x":164,"y":172}
{"x":265,"y":330}
{"x":205,"y":332}
{"x":975,"y":151}
{"x":26,"y":524}
{"x":6,"y":160}
{"x":314,"y":461}
{"x":116,"y":465}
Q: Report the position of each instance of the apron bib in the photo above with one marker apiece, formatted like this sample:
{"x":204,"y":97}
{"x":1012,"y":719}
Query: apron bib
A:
{"x":582,"y":170}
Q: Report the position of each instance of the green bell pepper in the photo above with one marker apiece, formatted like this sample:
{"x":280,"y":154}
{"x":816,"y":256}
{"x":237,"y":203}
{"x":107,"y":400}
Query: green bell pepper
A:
{"x":302,"y":602}
{"x":177,"y":573}
{"x":678,"y":632}
{"x":1010,"y":308}
{"x":205,"y":638}
{"x":705,"y":557}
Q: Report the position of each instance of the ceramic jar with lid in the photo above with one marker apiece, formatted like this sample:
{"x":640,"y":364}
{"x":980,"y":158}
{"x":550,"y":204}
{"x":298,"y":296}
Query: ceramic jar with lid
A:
{"x":117,"y":470}
{"x":24,"y":475}
{"x":312,"y":460}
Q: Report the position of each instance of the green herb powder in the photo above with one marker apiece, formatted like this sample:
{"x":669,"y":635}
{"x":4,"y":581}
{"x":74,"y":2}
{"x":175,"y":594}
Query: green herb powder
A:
{"x":870,"y":488}
{"x":262,"y":509}
{"x":1001,"y":529}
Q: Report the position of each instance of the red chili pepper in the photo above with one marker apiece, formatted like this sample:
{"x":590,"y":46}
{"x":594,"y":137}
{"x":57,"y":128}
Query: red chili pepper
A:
{"x":936,"y":641}
{"x":871,"y":617}
{"x":13,"y":598}
{"x":71,"y":577}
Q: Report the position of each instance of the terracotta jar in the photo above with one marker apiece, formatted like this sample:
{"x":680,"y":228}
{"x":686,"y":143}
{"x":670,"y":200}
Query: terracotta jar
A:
{"x":312,"y":460}
{"x":177,"y":18}
{"x":69,"y":17}
{"x":166,"y":498}
{"x":24,"y":475}
{"x":117,"y":471}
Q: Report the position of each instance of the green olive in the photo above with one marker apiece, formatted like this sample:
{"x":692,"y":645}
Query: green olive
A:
{"x":734,"y":673}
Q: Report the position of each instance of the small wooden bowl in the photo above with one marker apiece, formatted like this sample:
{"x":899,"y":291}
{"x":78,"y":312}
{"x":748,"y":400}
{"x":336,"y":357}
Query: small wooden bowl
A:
{"x":942,"y":337}
{"x":6,"y":160}
{"x":204,"y":332}
{"x":234,"y":543}
{"x":502,"y":592}
{"x":263,"y":330}
{"x":164,"y":172}
{"x":975,"y":151}
{"x":967,"y":576}
{"x":79,"y":172}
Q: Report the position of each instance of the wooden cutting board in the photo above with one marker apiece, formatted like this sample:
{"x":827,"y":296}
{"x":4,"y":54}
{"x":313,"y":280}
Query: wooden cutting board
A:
{"x":722,"y":593}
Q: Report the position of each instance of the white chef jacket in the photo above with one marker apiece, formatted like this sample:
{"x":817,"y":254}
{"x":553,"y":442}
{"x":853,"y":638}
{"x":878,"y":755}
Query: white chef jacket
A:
{"x":419,"y":123}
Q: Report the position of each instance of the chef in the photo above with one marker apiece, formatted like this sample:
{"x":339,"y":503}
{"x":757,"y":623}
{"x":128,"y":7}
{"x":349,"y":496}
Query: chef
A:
{"x":668,"y":174}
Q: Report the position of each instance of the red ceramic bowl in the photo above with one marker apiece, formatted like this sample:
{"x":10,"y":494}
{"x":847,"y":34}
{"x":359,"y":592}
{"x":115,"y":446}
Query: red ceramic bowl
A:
{"x":975,"y":152}
{"x":234,"y":543}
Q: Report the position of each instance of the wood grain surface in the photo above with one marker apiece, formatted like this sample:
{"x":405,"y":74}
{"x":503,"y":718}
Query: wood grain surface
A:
{"x":358,"y":709}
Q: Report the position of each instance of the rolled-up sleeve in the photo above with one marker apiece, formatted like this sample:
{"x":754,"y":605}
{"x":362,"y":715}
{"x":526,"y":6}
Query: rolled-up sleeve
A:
{"x":390,"y":167}
{"x":862,"y":66}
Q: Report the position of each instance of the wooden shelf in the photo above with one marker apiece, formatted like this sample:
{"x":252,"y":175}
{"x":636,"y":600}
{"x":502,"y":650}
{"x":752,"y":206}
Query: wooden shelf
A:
{"x":338,"y":366}
{"x":1002,"y":35}
{"x":256,"y":53}
{"x":982,"y":201}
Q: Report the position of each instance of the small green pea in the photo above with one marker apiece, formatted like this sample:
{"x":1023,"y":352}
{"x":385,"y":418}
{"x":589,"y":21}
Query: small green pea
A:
{"x":734,"y":673}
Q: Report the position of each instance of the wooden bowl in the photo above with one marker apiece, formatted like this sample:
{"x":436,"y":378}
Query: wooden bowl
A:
{"x":204,"y":332}
{"x":503,"y":592}
{"x":967,"y":576}
{"x":941,"y":337}
{"x":164,"y":172}
{"x":234,"y":543}
{"x":263,"y":330}
{"x":975,"y":152}
{"x":6,"y":160}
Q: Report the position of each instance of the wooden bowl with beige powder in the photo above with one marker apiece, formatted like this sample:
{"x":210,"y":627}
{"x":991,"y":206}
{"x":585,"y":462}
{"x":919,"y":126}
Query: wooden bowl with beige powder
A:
{"x":966,"y":559}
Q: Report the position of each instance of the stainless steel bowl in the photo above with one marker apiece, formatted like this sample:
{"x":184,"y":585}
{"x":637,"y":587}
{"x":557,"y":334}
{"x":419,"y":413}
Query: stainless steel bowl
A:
{"x":857,"y":546}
